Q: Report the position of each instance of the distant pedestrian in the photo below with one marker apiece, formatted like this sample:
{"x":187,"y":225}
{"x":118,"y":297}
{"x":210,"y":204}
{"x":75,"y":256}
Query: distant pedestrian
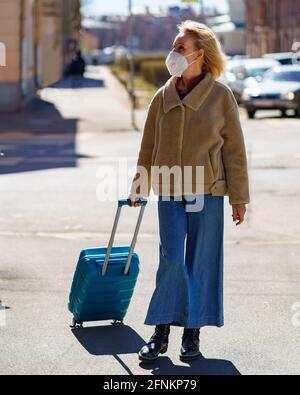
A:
{"x":76,"y":70}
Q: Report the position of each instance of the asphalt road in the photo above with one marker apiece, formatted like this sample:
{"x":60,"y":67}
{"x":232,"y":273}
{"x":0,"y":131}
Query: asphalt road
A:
{"x":51,"y":208}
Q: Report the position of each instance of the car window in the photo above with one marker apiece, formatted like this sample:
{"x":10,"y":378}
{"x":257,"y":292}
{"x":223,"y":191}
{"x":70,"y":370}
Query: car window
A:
{"x":285,"y":62}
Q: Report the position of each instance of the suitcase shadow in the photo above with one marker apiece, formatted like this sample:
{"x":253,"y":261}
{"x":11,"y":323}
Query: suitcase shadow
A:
{"x":109,"y":339}
{"x":117,"y":340}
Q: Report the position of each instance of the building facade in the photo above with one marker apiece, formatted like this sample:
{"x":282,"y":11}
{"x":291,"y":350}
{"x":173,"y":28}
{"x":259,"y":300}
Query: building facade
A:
{"x":272,"y":26}
{"x":231,"y":28}
{"x":151,"y":31}
{"x":38,"y":37}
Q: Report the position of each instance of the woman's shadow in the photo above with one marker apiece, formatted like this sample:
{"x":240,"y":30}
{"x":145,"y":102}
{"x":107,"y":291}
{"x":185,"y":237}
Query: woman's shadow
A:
{"x":116,"y":340}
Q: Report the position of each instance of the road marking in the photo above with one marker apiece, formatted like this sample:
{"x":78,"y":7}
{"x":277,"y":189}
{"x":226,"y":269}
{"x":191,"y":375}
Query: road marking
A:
{"x":284,"y":124}
{"x":127,"y":235}
{"x":264,"y":155}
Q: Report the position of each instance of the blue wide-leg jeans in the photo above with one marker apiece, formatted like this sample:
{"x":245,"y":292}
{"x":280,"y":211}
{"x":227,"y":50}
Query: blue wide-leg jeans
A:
{"x":189,"y":279}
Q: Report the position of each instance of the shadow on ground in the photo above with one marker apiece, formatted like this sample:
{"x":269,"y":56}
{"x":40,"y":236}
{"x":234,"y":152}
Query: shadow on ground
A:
{"x":118,"y":340}
{"x":78,"y":83}
{"x":37,"y":138}
{"x":201,"y":367}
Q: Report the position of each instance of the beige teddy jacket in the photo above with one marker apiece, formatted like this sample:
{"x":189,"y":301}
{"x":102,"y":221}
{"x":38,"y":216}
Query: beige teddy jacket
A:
{"x":201,"y":130}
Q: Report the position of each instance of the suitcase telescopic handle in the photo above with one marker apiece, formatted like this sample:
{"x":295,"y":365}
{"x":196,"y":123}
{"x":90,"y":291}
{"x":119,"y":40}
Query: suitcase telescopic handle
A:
{"x":121,"y":203}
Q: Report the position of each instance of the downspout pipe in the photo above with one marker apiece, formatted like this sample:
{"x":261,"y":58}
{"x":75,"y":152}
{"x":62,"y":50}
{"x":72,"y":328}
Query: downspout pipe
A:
{"x":21,"y":35}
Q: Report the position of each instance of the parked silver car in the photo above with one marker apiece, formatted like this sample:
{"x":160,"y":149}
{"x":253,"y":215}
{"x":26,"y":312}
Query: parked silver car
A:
{"x":248,"y":73}
{"x":279,"y":89}
{"x":284,"y":58}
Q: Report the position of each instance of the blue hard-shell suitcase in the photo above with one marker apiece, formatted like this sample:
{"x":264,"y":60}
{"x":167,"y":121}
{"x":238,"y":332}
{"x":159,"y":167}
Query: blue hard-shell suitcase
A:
{"x":105,"y":278}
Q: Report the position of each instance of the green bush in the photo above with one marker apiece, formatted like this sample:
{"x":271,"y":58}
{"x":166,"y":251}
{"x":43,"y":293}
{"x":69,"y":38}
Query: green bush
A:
{"x":152,"y":74}
{"x":154,"y":71}
{"x":138,"y":60}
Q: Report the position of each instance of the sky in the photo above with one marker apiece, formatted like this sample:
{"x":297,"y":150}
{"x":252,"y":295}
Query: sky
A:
{"x":120,"y":7}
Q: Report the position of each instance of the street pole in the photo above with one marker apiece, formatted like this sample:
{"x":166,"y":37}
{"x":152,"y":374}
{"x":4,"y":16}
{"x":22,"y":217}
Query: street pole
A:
{"x":130,"y":86}
{"x":201,"y":4}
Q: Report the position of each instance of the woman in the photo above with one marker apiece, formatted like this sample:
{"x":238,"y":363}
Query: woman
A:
{"x":192,"y":122}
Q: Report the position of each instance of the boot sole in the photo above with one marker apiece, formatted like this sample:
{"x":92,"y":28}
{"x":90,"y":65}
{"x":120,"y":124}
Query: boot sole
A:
{"x":145,"y":359}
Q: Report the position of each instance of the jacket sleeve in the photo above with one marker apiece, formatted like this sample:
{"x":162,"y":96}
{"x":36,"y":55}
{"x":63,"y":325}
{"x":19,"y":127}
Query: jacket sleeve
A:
{"x":234,"y":157}
{"x":141,"y":183}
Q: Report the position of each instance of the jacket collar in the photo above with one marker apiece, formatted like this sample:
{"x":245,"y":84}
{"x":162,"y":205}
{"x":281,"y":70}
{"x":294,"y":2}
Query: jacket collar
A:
{"x":193,"y":99}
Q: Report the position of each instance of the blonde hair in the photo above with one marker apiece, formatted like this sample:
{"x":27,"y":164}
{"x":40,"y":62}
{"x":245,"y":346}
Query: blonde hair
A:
{"x":204,"y":37}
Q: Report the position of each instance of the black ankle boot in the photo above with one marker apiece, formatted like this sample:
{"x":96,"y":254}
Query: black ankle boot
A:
{"x":158,"y":343}
{"x":190,"y":344}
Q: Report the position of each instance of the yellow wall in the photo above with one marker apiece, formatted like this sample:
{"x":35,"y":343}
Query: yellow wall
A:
{"x":33,"y":33}
{"x":9,"y":35}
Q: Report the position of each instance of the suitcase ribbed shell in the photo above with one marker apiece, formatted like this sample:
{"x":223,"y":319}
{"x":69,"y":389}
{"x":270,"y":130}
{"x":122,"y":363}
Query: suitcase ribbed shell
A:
{"x":94,"y":297}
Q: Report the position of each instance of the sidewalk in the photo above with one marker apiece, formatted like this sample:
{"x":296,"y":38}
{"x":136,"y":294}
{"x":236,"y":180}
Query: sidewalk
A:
{"x":58,"y":116}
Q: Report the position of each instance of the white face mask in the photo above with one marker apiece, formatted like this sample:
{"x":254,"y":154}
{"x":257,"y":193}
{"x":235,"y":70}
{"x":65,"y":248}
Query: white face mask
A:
{"x":177,"y":63}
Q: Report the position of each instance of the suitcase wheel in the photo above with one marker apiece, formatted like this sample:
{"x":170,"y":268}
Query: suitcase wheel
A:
{"x":117,"y":322}
{"x":76,"y":324}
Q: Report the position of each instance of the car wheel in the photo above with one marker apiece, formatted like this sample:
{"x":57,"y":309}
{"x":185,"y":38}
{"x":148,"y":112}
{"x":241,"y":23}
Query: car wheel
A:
{"x":283,"y":113}
{"x":251,"y":113}
{"x":297,"y":112}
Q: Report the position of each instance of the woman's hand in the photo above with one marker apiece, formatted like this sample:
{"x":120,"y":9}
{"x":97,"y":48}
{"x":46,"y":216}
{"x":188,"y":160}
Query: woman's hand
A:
{"x":133,"y":202}
{"x":238,"y":213}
